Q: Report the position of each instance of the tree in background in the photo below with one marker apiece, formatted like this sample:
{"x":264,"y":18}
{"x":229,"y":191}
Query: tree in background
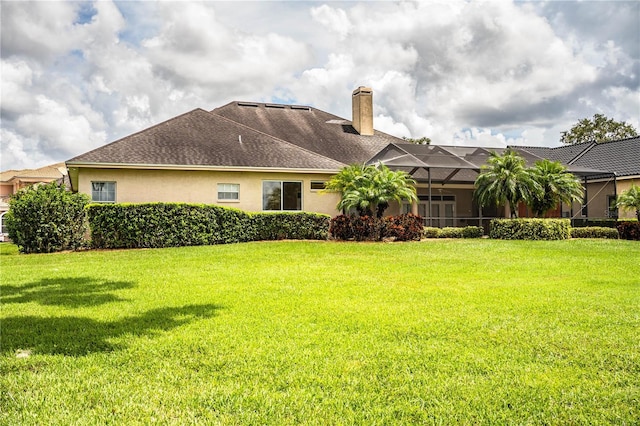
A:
{"x":47,"y":218}
{"x":630,"y":199}
{"x":420,"y":141}
{"x":558,"y":186}
{"x":505,"y":178}
{"x":599,"y":129}
{"x":370,"y":188}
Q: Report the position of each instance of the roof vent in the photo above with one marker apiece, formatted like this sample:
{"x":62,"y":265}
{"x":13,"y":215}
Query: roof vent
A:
{"x":301,"y":108}
{"x":247,"y":104}
{"x":278,"y":106}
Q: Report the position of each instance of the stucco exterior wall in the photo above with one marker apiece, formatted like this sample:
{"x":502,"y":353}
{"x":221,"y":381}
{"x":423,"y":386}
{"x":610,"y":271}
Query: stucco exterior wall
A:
{"x":623,"y":185}
{"x":189,"y":186}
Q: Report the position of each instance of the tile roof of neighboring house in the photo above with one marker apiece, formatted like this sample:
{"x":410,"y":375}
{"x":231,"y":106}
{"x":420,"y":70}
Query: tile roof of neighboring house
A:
{"x":201,"y":138}
{"x":620,"y":156}
{"x":50,"y":172}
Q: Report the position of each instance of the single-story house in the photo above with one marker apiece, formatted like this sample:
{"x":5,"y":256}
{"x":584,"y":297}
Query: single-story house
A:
{"x":270,"y":157}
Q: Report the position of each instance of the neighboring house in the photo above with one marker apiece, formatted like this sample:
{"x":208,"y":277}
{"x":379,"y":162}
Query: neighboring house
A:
{"x":620,"y":158}
{"x":11,"y":181}
{"x":270,"y":157}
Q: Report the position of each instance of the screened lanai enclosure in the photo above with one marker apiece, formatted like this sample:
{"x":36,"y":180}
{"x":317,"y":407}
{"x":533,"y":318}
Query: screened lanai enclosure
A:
{"x":445,"y":177}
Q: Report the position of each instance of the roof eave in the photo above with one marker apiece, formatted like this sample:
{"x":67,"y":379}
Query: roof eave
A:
{"x":196,"y":167}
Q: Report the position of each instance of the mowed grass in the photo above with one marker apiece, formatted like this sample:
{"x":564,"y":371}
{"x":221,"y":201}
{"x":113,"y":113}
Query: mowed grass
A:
{"x":436,"y":332}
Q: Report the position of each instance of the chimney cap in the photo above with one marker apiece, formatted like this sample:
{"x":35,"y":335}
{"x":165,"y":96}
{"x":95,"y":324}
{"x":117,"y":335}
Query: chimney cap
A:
{"x":362,"y":89}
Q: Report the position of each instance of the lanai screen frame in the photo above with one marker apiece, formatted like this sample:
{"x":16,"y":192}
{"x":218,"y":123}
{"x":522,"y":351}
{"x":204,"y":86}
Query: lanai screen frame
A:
{"x":414,"y":157}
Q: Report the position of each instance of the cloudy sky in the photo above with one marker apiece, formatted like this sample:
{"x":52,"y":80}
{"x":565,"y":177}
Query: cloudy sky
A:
{"x":76,"y":75}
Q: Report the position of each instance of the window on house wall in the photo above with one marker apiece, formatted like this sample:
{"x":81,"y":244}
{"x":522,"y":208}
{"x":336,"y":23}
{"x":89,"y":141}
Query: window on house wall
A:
{"x":103,"y":192}
{"x":281,"y":195}
{"x":317,"y":185}
{"x":228,"y":191}
{"x":612,"y":211}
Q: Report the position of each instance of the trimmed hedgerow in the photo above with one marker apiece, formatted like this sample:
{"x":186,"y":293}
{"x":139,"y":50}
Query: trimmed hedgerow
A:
{"x":629,"y":230}
{"x":603,"y":223}
{"x":47,"y":218}
{"x":430,"y":232}
{"x":289,"y":226}
{"x":155,"y":225}
{"x":530,"y":229}
{"x":594,"y":232}
{"x":451,"y":232}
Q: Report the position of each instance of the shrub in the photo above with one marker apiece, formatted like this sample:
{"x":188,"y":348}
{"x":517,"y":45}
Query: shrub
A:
{"x":357,"y":228}
{"x":472,"y":232}
{"x":289,"y":226}
{"x":594,"y":232}
{"x":530,"y":229}
{"x":629,"y":230}
{"x":450,"y":232}
{"x":430,"y":232}
{"x":604,"y":223}
{"x":46,"y":218}
{"x":405,"y":227}
{"x":180,"y":224}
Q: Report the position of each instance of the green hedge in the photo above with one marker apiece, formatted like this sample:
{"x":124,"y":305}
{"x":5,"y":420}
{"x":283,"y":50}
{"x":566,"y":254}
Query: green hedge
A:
{"x":601,"y":223}
{"x":530,"y":229}
{"x":289,"y":226}
{"x":179,"y":224}
{"x":46,"y":218}
{"x":450,"y":232}
{"x":595,"y":232}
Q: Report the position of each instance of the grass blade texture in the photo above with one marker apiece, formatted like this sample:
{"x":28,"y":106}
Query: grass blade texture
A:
{"x":432,"y":332}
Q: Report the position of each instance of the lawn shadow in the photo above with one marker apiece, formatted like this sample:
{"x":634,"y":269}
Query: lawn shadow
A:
{"x":78,"y":336}
{"x":67,"y":292}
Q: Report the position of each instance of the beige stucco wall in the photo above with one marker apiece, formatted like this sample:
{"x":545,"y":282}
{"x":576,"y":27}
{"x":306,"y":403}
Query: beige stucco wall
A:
{"x":194,"y":186}
{"x":598,"y":195}
{"x":623,"y":185}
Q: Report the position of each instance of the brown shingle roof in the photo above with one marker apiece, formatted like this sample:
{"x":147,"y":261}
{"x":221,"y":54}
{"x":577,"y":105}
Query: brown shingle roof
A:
{"x":309,"y":128}
{"x":200,"y":138}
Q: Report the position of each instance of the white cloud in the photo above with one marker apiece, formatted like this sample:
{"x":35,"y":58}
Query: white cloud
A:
{"x":77,"y":75}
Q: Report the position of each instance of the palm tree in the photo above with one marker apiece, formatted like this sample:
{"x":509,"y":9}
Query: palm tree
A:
{"x":630,"y":199}
{"x":505,"y":179}
{"x":369,"y":189}
{"x":558,"y":186}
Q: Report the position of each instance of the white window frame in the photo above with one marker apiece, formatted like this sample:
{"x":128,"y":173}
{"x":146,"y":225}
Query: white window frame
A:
{"x":228,"y":189}
{"x":281,"y":183}
{"x":94,"y":192}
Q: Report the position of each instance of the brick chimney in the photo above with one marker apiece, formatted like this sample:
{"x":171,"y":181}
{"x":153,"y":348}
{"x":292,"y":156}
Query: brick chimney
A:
{"x":362,"y":108}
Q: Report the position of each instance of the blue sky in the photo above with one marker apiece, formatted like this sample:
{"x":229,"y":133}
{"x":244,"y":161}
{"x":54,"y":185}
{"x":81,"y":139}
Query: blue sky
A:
{"x":77,"y":75}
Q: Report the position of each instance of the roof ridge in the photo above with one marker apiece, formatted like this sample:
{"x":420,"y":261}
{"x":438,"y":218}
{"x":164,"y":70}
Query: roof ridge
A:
{"x":275,"y":137}
{"x":582,"y":153}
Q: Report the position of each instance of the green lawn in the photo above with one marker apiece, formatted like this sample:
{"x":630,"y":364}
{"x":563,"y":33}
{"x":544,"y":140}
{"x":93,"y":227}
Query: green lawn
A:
{"x":436,"y":332}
